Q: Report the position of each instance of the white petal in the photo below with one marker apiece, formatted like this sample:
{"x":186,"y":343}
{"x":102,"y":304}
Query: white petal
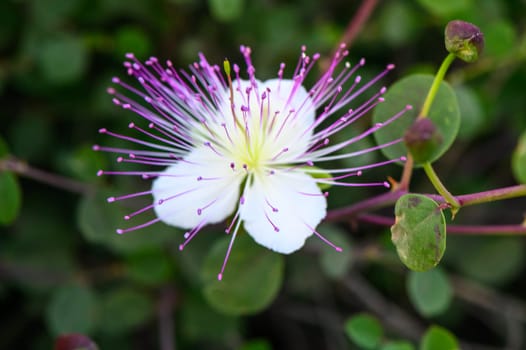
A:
{"x":300,"y":206}
{"x":182,"y":194}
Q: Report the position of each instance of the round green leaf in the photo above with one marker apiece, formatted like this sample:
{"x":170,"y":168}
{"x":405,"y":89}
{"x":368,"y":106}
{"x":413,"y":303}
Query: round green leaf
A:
{"x":518,"y":160}
{"x":335,"y":264}
{"x":63,"y":59}
{"x":365,"y":330}
{"x":124,"y":309}
{"x":445,"y":8}
{"x":500,"y":38}
{"x":397,"y":345}
{"x":419,"y":232}
{"x":10,"y":197}
{"x":251,"y":280}
{"x":71,"y":310}
{"x":430,"y":291}
{"x":493,"y":260}
{"x":257,"y":344}
{"x":132,"y":39}
{"x":438,"y":338}
{"x":150,"y":267}
{"x":412,"y":90}
{"x":196,"y":312}
{"x":471,"y":111}
{"x":98,"y":221}
{"x":226,"y":10}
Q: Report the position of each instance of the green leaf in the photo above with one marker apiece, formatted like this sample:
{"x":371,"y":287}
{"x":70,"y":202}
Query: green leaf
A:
{"x":445,"y":8}
{"x":518,"y":160}
{"x":132,"y":39}
{"x":430,"y":291}
{"x":51,"y":13}
{"x":500,"y":38}
{"x":98,"y":220}
{"x":151,"y":267}
{"x":71,"y":310}
{"x":364,"y":330}
{"x":472,"y":113}
{"x":196,"y":312}
{"x":397,"y":345}
{"x":412,"y":90}
{"x":123,"y":309}
{"x":82,"y":163}
{"x":493,"y":260}
{"x":251,"y":279}
{"x":10,"y":197}
{"x":419,"y":232}
{"x":335,"y":264}
{"x":63,"y":59}
{"x":257,"y":344}
{"x":438,"y":338}
{"x":226,"y":10}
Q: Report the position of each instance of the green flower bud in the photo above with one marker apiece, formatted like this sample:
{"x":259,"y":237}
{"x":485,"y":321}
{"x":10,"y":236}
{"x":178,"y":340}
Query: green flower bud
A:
{"x":464,"y":39}
{"x":422,"y":139}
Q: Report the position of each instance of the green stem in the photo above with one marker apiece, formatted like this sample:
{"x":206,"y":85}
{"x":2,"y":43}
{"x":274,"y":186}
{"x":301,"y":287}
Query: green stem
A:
{"x":441,"y":189}
{"x":439,"y":77}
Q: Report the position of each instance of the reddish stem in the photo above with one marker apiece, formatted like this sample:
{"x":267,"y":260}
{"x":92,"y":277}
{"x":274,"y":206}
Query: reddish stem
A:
{"x":357,"y":22}
{"x":457,"y":229}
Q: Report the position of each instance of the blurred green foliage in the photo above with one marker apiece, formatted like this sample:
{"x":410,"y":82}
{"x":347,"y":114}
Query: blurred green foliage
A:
{"x":64,"y":269}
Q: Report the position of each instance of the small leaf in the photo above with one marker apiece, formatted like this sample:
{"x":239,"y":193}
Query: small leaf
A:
{"x":518,"y":160}
{"x":501,"y":38}
{"x":10,"y":197}
{"x":98,"y":220}
{"x":257,"y":344}
{"x":132,"y":38}
{"x":444,"y":113}
{"x":438,"y":338}
{"x":150,"y":266}
{"x":195,"y":312}
{"x":335,"y":264}
{"x":445,"y":8}
{"x":474,"y":118}
{"x":226,"y":10}
{"x":398,"y":345}
{"x":419,"y":232}
{"x":430,"y":291}
{"x":251,"y":280}
{"x":123,"y":309}
{"x":364,"y":330}
{"x":493,"y":260}
{"x":71,"y":310}
{"x":63,"y":59}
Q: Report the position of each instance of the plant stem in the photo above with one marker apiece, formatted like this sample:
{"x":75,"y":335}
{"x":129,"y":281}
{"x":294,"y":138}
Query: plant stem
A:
{"x":488,"y":196}
{"x":441,"y":189}
{"x":439,"y":77}
{"x":517,"y":229}
{"x":23,"y":169}
{"x":357,"y":22}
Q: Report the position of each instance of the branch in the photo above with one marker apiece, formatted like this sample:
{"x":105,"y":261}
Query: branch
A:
{"x":458,"y":229}
{"x":23,"y":169}
{"x":166,"y":324}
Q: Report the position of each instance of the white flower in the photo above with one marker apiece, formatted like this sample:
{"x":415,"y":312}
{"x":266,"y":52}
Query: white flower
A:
{"x":243,"y":149}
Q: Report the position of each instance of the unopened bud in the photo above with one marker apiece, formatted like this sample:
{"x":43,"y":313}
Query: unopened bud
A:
{"x":422,"y":139}
{"x":464,"y":39}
